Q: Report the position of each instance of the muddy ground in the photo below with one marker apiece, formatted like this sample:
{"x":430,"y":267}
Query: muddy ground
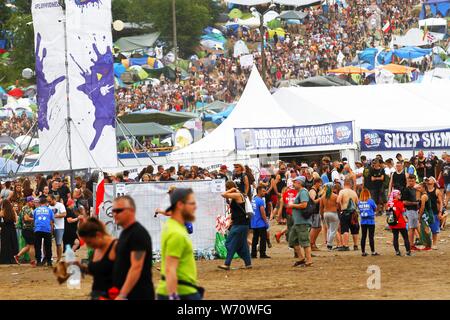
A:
{"x":335,"y":275}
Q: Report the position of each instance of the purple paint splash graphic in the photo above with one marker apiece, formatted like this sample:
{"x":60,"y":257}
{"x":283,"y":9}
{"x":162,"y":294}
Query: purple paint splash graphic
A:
{"x":85,"y":3}
{"x":45,"y":89}
{"x":99,"y":87}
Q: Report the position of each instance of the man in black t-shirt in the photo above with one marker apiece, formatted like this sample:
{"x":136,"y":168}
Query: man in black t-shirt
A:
{"x":430,"y":166}
{"x":376,"y":177}
{"x":132,"y":273}
{"x":421,"y":171}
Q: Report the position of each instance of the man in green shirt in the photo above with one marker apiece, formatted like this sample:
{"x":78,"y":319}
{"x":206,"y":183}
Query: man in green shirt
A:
{"x":27,"y":220}
{"x":299,"y":234}
{"x":178,"y":268}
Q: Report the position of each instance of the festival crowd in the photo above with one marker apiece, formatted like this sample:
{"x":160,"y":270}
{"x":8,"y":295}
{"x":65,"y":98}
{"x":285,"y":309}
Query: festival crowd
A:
{"x":324,"y":41}
{"x":326,"y":197}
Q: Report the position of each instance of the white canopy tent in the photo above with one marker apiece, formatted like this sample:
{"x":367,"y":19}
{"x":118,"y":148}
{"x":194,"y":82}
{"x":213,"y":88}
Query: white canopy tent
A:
{"x":405,"y":107}
{"x":256,"y":109}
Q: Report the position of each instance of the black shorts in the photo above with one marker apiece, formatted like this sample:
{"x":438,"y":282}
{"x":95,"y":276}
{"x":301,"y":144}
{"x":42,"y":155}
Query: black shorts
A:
{"x":28,"y":236}
{"x":345,"y":221}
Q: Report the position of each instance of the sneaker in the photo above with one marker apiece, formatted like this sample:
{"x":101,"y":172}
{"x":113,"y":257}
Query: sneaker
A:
{"x":50,"y":264}
{"x":224,"y":267}
{"x":264,"y":257}
{"x":299,"y":263}
{"x":398,"y":254}
{"x":248,"y":267}
{"x":374,"y":254}
{"x":269,"y":244}
{"x":330,"y":248}
{"x":355,"y":248}
{"x":414,"y":248}
{"x":364,"y":254}
{"x":33,"y":263}
{"x":427,"y":249}
{"x":343,"y":249}
{"x":16,"y":258}
{"x":278,"y":237}
{"x":408,"y":253}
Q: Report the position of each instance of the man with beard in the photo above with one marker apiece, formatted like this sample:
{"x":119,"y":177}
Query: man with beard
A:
{"x":178,"y":268}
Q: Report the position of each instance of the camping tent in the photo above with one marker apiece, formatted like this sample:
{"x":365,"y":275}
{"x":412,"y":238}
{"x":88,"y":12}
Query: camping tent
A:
{"x":142,"y":129}
{"x":126,"y":44}
{"x":161,"y":117}
{"x":255,"y":109}
{"x":349,"y":70}
{"x":240,"y":48}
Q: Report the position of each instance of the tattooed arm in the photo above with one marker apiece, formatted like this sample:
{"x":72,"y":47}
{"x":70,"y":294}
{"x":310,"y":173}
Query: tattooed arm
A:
{"x":137,"y":263}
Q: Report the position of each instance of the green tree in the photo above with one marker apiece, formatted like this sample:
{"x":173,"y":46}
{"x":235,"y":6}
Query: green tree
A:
{"x":192,"y":17}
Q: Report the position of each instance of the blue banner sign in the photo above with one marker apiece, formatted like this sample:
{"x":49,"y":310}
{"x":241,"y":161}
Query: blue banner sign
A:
{"x":247,"y":139}
{"x":379,"y":140}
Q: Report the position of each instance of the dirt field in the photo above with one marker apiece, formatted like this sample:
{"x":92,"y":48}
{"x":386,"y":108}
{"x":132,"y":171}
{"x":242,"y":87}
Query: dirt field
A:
{"x":334,"y":275}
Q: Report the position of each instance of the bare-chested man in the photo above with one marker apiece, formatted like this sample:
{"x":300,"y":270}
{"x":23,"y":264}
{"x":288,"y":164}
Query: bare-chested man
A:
{"x":347,"y":201}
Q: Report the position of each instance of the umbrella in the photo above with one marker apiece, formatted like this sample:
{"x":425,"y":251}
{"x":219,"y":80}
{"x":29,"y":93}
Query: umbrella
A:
{"x":16,"y":93}
{"x":293,"y":15}
{"x":397,"y":69}
{"x":235,"y":14}
{"x":349,"y":70}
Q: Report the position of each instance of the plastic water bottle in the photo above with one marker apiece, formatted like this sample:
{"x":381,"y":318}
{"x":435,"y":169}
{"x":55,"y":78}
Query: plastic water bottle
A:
{"x":74,"y":281}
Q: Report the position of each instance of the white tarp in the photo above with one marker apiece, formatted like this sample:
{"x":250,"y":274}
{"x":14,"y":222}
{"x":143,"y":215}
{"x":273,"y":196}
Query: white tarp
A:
{"x":240,"y":48}
{"x":91,"y":75}
{"x":415,"y":38}
{"x":153,"y":195}
{"x":51,"y":83}
{"x":431,"y":22}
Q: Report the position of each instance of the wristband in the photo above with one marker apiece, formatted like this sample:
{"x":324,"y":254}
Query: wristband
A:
{"x":174,"y":296}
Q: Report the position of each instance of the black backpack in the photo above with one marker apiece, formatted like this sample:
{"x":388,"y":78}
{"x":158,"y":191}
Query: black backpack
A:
{"x":391,"y":217}
{"x":309,"y":210}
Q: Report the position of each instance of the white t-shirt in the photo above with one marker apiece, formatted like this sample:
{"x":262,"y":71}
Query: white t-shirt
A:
{"x":359,"y":181}
{"x":58,"y":208}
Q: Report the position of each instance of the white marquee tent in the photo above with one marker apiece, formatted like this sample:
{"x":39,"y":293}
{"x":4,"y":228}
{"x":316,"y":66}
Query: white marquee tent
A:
{"x":256,"y":109}
{"x":405,"y":107}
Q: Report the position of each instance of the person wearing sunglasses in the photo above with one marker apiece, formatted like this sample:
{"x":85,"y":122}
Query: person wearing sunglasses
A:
{"x":178,"y":268}
{"x":132,"y":273}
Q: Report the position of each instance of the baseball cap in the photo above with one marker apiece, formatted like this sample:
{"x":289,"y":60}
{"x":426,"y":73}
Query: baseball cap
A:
{"x":304,"y":165}
{"x":223,"y":167}
{"x":29,"y":199}
{"x":177,"y":195}
{"x":302,"y":179}
{"x":171,"y":189}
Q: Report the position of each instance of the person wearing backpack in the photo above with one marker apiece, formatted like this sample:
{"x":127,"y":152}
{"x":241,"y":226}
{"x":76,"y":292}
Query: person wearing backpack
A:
{"x":397,"y":222}
{"x":302,"y":210}
{"x":347,"y":201}
{"x":237,"y":238}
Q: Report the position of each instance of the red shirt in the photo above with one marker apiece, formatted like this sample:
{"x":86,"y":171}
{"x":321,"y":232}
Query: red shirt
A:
{"x":289,"y":196}
{"x":398,"y":211}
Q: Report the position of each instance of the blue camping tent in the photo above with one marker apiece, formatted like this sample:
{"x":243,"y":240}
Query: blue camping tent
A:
{"x":411,"y":52}
{"x":436,"y":6}
{"x":119,"y":69}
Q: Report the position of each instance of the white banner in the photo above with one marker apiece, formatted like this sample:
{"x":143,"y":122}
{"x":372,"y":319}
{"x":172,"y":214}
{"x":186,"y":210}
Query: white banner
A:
{"x":51,"y":85}
{"x":153,"y":195}
{"x":91,"y":81}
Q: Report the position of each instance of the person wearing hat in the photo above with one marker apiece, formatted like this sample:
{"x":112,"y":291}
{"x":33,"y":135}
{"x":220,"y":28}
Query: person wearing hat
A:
{"x":223,"y":173}
{"x":26,"y":215}
{"x":168,"y":213}
{"x":299,"y":235}
{"x":178,"y":267}
{"x":71,"y":220}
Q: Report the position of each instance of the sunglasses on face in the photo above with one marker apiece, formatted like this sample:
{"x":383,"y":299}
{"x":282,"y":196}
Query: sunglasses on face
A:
{"x":119,"y":210}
